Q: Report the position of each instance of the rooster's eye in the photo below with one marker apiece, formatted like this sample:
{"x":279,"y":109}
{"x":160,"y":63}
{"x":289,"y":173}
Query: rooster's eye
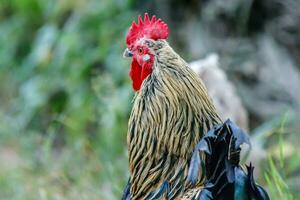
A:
{"x":140,"y":50}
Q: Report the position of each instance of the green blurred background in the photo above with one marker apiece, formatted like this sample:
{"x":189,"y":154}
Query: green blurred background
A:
{"x":65,"y":94}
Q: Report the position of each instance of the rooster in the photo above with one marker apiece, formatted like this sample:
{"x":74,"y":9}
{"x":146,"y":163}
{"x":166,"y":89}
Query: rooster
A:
{"x":171,"y":113}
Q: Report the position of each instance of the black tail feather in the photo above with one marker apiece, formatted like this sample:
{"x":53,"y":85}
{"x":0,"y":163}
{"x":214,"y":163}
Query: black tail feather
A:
{"x":225,"y":179}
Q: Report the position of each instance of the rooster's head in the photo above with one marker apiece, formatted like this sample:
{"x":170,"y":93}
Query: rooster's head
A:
{"x":141,"y":43}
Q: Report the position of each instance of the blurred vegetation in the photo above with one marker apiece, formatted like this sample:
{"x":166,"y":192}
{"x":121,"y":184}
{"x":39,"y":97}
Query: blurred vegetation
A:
{"x":65,"y":99}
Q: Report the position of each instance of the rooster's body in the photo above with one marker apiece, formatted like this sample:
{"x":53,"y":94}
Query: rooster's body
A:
{"x":171,"y":113}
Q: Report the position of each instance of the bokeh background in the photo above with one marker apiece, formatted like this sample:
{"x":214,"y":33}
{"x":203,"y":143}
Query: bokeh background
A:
{"x":65,"y":94}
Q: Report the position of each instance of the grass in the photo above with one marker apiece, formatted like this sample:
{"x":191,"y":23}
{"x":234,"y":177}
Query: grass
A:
{"x":277,"y":171}
{"x":40,"y":171}
{"x":276,"y":176}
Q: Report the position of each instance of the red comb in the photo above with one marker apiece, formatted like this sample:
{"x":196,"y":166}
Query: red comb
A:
{"x":153,"y":29}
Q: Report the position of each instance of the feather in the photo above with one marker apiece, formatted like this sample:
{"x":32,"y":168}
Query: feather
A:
{"x":225,"y":178}
{"x":126,"y":192}
{"x":160,"y":193}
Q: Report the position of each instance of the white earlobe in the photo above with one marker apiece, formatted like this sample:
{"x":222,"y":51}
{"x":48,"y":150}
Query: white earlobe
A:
{"x":146,"y":57}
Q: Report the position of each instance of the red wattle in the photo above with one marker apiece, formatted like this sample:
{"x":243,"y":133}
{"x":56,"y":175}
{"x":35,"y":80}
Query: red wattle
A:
{"x":138,"y":73}
{"x":135,"y":75}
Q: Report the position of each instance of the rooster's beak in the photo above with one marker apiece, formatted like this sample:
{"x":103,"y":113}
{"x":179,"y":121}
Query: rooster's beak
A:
{"x":127,"y":53}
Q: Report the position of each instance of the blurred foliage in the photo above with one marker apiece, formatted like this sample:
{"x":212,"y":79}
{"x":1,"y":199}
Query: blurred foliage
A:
{"x":65,"y":94}
{"x":64,"y":98}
